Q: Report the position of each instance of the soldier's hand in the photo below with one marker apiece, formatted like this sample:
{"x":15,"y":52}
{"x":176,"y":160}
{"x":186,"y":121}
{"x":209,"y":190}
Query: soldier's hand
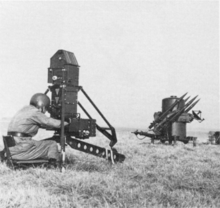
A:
{"x":67,"y":121}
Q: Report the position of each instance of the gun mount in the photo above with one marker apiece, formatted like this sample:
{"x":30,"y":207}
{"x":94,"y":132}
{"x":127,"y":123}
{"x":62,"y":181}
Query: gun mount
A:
{"x":63,"y":74}
{"x":170,"y":123}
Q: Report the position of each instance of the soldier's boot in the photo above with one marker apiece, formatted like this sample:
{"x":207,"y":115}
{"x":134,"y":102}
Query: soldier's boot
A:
{"x":52,"y":163}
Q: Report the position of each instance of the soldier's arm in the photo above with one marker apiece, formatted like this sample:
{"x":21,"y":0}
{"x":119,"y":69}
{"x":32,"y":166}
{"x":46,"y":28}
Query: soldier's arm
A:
{"x":46,"y":122}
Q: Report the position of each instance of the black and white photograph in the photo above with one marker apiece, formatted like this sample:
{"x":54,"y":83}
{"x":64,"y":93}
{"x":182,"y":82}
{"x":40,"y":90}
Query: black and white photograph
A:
{"x":109,"y":104}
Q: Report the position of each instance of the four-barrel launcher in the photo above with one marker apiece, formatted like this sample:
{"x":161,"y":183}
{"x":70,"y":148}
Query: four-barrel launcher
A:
{"x":170,"y":124}
{"x":63,"y":74}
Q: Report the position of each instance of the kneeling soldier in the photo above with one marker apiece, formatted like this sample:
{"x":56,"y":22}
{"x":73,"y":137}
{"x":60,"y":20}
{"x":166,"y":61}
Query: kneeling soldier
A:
{"x":26,"y":123}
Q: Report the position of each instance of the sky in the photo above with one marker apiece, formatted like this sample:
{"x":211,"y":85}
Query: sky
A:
{"x":132,"y":54}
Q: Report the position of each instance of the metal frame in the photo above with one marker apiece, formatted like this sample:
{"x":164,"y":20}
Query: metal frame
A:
{"x":112,"y":137}
{"x":110,"y":154}
{"x":62,"y":135}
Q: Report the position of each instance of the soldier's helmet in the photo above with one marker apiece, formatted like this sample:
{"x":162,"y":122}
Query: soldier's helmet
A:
{"x":40,"y":101}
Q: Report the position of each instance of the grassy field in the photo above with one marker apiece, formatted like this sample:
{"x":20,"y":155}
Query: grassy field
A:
{"x":153,"y":175}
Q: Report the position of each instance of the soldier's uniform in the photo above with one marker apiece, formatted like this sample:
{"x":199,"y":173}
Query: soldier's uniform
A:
{"x":27,"y":122}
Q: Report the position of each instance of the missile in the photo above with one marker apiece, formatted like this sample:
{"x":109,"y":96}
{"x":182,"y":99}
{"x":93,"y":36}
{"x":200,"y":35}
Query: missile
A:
{"x":186,"y":99}
{"x":175,"y":115}
{"x":189,"y":103}
{"x":165,"y":120}
{"x":178,"y":114}
{"x":191,"y":107}
{"x":167,"y":111}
